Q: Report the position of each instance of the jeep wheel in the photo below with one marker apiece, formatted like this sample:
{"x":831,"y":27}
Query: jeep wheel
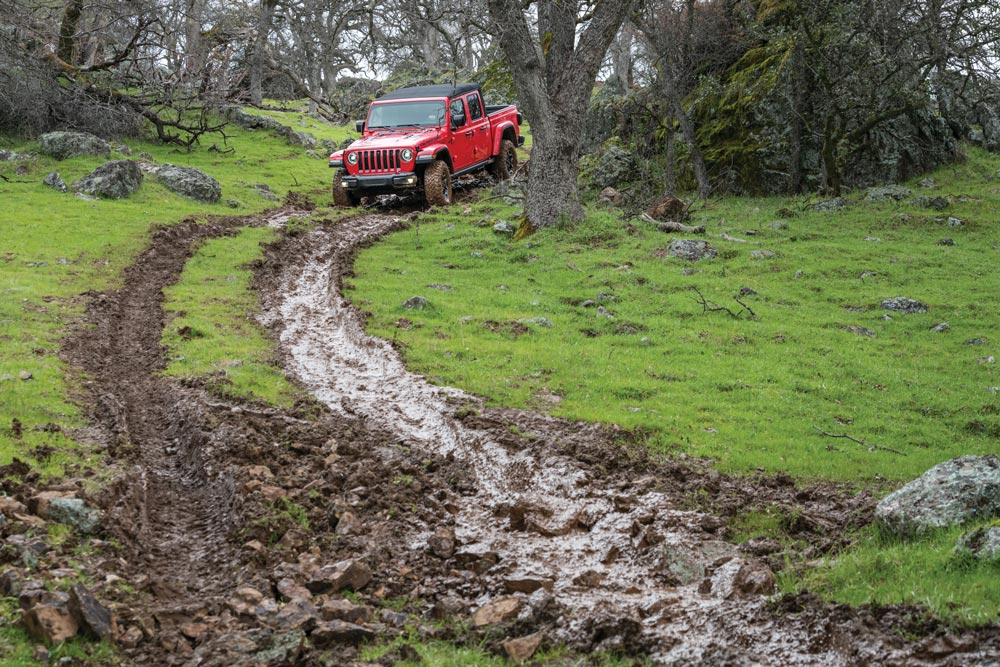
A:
{"x":341,"y":195}
{"x":437,"y":184}
{"x":505,"y":164}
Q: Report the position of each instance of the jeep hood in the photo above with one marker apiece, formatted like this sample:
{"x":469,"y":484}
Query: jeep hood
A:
{"x":397,"y":138}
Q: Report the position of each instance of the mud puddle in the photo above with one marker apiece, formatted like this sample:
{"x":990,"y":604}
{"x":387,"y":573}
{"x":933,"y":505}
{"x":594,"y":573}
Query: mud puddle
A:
{"x":626,"y":568}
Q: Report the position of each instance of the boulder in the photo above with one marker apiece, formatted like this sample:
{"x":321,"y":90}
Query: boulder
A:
{"x":40,"y":503}
{"x":91,"y":615}
{"x":63,"y":145}
{"x":981,"y":544}
{"x":416,"y":303}
{"x":667,"y":208}
{"x":615,"y":166}
{"x":537,"y":321}
{"x":828,"y":205}
{"x":937,"y":203}
{"x":189,"y":182}
{"x":886,"y":193}
{"x":691,"y":249}
{"x":56,"y":182}
{"x":348,"y":574}
{"x":948,"y":494}
{"x":51,"y":624}
{"x":345,"y":610}
{"x":442,"y":542}
{"x":117,"y":179}
{"x":500,"y":610}
{"x":73,"y":512}
{"x":520,"y":649}
{"x":905,"y":305}
{"x":339,"y":632}
{"x":503,"y":228}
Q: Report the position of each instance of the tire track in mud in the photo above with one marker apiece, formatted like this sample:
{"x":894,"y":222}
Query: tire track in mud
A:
{"x":622,"y":561}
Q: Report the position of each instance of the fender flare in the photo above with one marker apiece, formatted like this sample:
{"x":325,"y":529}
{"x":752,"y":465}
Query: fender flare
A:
{"x":504,"y":130}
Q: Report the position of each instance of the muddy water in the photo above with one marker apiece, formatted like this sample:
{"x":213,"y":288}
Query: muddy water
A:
{"x":625,"y":555}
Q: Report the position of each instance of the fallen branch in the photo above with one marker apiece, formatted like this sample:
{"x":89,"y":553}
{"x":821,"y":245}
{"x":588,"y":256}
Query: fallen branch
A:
{"x":871,"y":448}
{"x":712,"y":307}
{"x":671,"y":226}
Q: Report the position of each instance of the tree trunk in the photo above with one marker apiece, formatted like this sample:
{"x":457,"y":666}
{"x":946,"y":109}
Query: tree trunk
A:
{"x":670,"y":172}
{"x":194,"y":47}
{"x":67,"y":31}
{"x":687,"y":131}
{"x":798,"y":113}
{"x":554,"y":75}
{"x":259,"y":57}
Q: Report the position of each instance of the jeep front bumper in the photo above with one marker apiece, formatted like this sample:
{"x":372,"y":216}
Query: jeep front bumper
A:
{"x":380,"y":181}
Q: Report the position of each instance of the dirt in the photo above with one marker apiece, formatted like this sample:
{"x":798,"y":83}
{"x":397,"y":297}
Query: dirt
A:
{"x":565,"y":528}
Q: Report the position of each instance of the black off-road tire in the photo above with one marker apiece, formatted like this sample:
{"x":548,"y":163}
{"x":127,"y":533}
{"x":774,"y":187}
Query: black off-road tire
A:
{"x":505,"y":164}
{"x":341,"y":195}
{"x":437,"y":184}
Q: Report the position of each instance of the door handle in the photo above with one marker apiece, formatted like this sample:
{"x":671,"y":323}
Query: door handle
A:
{"x":469,"y":133}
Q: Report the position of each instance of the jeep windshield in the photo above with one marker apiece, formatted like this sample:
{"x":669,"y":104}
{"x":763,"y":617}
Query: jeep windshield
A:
{"x":406,"y":114}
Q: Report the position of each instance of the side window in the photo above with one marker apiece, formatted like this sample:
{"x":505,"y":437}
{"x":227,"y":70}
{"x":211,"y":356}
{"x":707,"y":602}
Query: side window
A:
{"x":475,"y":107}
{"x":457,"y":107}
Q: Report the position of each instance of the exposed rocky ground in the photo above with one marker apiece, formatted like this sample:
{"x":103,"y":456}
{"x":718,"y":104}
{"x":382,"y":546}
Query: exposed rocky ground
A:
{"x":242,"y":534}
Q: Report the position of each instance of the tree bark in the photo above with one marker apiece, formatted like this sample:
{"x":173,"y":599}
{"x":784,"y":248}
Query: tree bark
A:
{"x":67,"y":31}
{"x":554,"y":75}
{"x":796,"y":120}
{"x":259,"y":57}
{"x":687,"y":131}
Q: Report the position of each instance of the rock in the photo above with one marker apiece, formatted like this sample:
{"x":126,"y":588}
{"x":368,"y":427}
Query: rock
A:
{"x":604,"y":312}
{"x":954,"y":222}
{"x":537,"y":321}
{"x":348,"y":574}
{"x":416,"y":303}
{"x":946,"y":242}
{"x":902,"y":304}
{"x":131,"y":638}
{"x":289,"y":589}
{"x":860,"y":331}
{"x":11,"y":506}
{"x":948,"y":494}
{"x":616,"y":165}
{"x":91,"y":615}
{"x":345,"y":610}
{"x":441,"y":287}
{"x":981,"y":340}
{"x":503,"y":228}
{"x":936,"y":203}
{"x":195,"y":630}
{"x":232,"y":203}
{"x":339,"y":632}
{"x":527,"y":583}
{"x":940,"y":328}
{"x":477,"y":557}
{"x":297,"y":615}
{"x":667,"y":208}
{"x":500,"y":610}
{"x":872,"y":239}
{"x":8,"y":156}
{"x":39,"y":503}
{"x":981,"y":544}
{"x":396,"y":619}
{"x":829,"y":205}
{"x":927,"y":183}
{"x":690,"y":249}
{"x":189,"y":182}
{"x":73,"y":512}
{"x":779,"y":224}
{"x":888,"y":192}
{"x":522,"y":648}
{"x":55,"y":181}
{"x":348,"y":524}
{"x":50,"y":623}
{"x":442,"y":543}
{"x":610,"y":196}
{"x":117,"y":179}
{"x":264,"y":191}
{"x":41,"y":654}
{"x":763,"y":254}
{"x":11,"y":583}
{"x":63,"y":145}
{"x":244,"y":601}
{"x":25,"y":375}
{"x":740,"y":578}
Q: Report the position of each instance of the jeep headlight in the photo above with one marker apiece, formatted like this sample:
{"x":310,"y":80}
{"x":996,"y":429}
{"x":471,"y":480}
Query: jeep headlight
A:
{"x":352,"y":158}
{"x":406,"y":155}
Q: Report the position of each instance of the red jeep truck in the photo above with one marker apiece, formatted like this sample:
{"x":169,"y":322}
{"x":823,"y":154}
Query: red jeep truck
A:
{"x":418,"y":138}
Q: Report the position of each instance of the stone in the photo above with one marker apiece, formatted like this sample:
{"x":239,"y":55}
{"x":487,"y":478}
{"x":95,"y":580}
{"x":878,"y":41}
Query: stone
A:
{"x":289,"y":589}
{"x":11,"y":506}
{"x":829,"y":205}
{"x":527,"y":583}
{"x":940,"y":328}
{"x":610,"y":196}
{"x":936,"y":203}
{"x":345,"y":610}
{"x":779,"y":224}
{"x":522,"y":648}
{"x":264,"y":191}
{"x":348,"y":574}
{"x":50,"y":623}
{"x":616,"y":165}
{"x":604,"y":312}
{"x":442,"y":543}
{"x":11,"y":583}
{"x":232,"y":203}
{"x":498,"y":611}
{"x":691,"y":249}
{"x":886,"y":193}
{"x":416,"y":303}
{"x":503,"y":228}
{"x":954,"y":222}
{"x":348,"y":524}
{"x":189,"y":182}
{"x":339,"y":632}
{"x":762,"y":254}
{"x":63,"y":145}
{"x":74,"y":512}
{"x":131,"y":638}
{"x":91,"y":615}
{"x":948,"y":242}
{"x":25,"y":375}
{"x":905,"y":305}
{"x":949,"y":494}
{"x":56,"y":182}
{"x":981,"y":544}
{"x":396,"y":619}
{"x":117,"y":179}
{"x":8,"y":156}
{"x":537,"y":321}
{"x":297,"y":615}
{"x":927,"y":183}
{"x":860,"y":331}
{"x":39,"y":503}
{"x":245,"y":600}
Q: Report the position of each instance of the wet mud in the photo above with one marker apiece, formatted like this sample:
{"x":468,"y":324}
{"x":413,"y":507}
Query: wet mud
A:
{"x":227,"y":516}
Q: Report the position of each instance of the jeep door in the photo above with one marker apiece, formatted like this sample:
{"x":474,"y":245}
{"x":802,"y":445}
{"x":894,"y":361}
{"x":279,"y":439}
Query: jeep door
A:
{"x":460,"y":145}
{"x":479,"y":125}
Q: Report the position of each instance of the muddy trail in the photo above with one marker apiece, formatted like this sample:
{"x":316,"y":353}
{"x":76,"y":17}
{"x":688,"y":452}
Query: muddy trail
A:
{"x":238,"y":528}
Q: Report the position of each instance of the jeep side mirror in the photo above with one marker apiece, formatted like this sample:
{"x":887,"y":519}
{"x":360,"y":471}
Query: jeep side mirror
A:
{"x":457,"y":119}
{"x":359,"y":125}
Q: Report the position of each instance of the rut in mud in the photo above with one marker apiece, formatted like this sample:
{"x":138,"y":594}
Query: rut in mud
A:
{"x":217,"y":497}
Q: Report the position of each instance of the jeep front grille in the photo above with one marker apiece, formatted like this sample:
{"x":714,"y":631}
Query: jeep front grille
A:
{"x":382,"y":160}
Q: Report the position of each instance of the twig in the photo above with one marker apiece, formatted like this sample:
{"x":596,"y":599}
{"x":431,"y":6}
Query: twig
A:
{"x":712,"y":307}
{"x":753,"y":315}
{"x":871,"y":448}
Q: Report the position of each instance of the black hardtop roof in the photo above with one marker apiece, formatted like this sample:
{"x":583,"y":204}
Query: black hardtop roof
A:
{"x":437,"y":90}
